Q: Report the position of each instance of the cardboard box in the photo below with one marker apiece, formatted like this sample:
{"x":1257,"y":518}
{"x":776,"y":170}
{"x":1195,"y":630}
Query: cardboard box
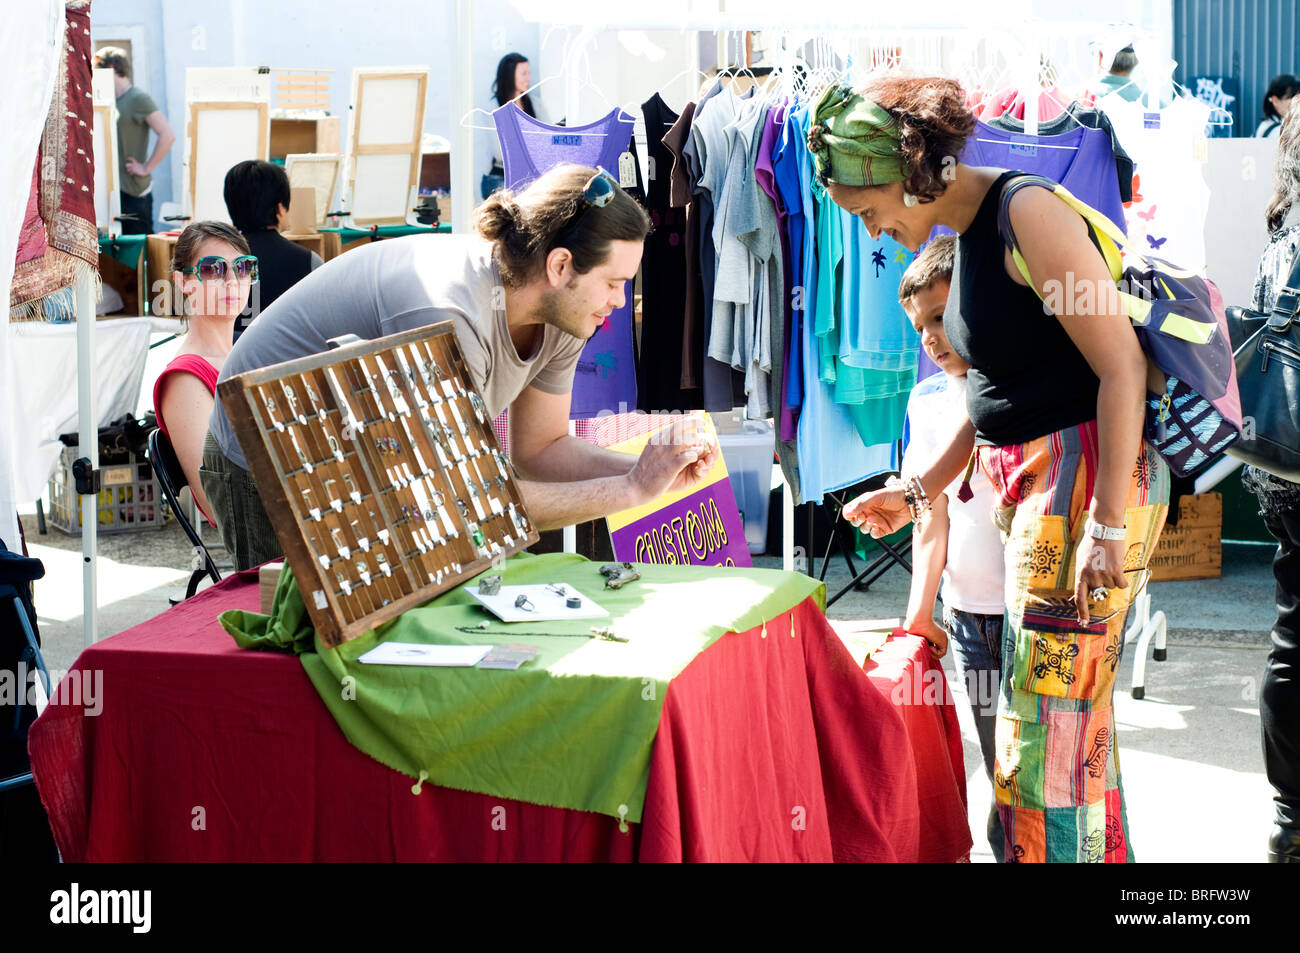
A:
{"x":302,"y":211}
{"x":1193,"y":549}
{"x":268,"y":577}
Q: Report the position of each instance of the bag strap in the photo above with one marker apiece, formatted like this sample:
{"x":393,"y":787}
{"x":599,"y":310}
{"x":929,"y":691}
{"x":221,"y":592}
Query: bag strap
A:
{"x":1287,"y":303}
{"x":1110,"y":239}
{"x":1109,"y":247}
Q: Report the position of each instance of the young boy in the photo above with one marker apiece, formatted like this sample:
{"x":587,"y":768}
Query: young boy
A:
{"x":956,"y":542}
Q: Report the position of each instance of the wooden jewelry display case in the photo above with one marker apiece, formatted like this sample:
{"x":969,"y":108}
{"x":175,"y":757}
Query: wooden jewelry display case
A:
{"x":381,"y":475}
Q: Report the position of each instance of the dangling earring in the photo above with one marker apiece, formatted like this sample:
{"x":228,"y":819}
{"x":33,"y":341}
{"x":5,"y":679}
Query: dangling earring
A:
{"x":909,"y":199}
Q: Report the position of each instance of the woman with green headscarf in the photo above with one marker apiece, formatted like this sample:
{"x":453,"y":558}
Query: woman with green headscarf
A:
{"x":1055,"y":403}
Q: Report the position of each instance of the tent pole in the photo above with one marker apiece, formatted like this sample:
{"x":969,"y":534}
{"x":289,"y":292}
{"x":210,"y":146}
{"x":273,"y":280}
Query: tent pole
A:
{"x":88,"y":443}
{"x":577,"y":50}
{"x":462,"y":172}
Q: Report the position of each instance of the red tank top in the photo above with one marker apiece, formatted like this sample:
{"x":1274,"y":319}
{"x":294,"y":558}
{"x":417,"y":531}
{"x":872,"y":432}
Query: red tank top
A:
{"x":185,"y":364}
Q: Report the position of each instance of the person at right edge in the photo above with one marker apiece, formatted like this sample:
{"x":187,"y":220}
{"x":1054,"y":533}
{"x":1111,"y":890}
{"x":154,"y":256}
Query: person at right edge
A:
{"x":1279,"y":505}
{"x":1055,"y":402}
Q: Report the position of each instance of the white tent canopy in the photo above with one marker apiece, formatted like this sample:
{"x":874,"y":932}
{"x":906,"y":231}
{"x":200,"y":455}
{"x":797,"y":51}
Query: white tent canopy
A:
{"x":30,"y":44}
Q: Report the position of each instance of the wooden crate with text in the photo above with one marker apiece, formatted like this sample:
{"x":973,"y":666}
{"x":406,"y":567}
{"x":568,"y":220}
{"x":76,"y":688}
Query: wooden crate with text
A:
{"x":1194,"y":548}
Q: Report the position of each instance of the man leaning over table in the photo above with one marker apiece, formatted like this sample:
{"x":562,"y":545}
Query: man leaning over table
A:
{"x":543,"y":270}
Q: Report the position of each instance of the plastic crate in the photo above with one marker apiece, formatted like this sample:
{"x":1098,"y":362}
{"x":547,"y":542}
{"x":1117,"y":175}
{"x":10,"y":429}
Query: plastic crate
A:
{"x":749,"y":455}
{"x":130,"y":496}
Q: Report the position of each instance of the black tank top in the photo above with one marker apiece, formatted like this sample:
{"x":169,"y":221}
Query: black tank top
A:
{"x":1027,"y":379}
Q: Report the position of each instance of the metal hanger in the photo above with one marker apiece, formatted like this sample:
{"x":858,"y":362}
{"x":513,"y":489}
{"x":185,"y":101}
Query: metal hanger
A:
{"x":466,"y":124}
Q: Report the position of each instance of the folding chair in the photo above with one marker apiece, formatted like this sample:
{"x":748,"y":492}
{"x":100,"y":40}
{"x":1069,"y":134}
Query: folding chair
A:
{"x":172,"y":479}
{"x":842,"y":536}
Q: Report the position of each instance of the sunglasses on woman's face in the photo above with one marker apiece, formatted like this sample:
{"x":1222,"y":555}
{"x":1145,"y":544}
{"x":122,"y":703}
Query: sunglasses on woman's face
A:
{"x":215,"y":268}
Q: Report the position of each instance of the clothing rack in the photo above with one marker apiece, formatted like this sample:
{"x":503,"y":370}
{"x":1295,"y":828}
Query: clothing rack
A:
{"x":822,"y":19}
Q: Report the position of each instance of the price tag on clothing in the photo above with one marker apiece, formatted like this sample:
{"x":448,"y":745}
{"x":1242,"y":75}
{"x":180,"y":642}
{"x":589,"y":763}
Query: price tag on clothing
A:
{"x":1150,"y":120}
{"x":1023,"y":145}
{"x":626,"y":170}
{"x":1201,"y":149}
{"x":650,"y":168}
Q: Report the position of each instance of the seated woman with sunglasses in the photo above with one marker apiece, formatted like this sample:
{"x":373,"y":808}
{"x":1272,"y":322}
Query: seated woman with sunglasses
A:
{"x":1055,"y":409}
{"x":212,"y":272}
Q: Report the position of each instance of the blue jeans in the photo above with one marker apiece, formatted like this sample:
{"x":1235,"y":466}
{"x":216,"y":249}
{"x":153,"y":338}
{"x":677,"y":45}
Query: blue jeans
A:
{"x":976,"y":642}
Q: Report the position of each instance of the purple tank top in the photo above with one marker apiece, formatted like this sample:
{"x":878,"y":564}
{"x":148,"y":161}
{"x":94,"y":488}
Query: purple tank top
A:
{"x":606,"y":374}
{"x":1082,"y":160}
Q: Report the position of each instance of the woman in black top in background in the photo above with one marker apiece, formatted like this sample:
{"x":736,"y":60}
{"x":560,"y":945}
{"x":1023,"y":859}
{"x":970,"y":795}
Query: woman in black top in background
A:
{"x":1277,"y":103}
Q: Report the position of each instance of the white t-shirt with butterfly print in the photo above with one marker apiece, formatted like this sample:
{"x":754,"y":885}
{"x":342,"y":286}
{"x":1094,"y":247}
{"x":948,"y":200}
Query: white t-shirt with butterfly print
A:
{"x":1166,"y":218}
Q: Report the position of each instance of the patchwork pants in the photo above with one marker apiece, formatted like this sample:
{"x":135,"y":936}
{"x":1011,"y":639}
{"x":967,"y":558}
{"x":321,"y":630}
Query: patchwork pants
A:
{"x":1057,"y":776}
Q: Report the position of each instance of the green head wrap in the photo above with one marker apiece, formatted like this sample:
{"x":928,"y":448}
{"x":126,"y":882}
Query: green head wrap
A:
{"x":853,"y":141}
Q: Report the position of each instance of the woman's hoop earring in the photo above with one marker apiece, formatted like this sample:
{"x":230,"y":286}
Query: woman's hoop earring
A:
{"x":909,"y":199}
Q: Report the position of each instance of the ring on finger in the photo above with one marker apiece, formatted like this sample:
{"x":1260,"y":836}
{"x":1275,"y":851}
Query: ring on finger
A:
{"x":1099,"y":594}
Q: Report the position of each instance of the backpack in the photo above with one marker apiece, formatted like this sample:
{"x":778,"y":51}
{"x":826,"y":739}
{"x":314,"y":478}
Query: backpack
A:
{"x":1182,"y":328}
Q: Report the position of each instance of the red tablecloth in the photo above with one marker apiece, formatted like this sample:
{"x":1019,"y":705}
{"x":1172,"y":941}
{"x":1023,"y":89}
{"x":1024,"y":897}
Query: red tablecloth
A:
{"x":907,"y":674}
{"x":769,"y":748}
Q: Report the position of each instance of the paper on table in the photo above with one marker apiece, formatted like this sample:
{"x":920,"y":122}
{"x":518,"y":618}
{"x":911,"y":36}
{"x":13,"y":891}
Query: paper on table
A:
{"x":414,"y":653}
{"x":548,"y":604}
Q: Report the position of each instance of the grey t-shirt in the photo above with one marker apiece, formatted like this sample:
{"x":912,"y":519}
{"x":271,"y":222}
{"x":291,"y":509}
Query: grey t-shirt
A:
{"x":396,"y":285}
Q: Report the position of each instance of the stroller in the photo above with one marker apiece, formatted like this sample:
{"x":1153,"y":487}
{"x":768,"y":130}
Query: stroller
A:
{"x":24,"y":828}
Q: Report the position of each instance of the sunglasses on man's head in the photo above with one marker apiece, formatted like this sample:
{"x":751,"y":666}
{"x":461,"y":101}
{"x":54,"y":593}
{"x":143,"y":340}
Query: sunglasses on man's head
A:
{"x":599,"y":190}
{"x":597,"y":193}
{"x":215,"y":268}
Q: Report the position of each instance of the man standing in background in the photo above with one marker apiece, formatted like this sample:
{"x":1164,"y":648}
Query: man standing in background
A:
{"x":1120,"y":78}
{"x":136,"y":115}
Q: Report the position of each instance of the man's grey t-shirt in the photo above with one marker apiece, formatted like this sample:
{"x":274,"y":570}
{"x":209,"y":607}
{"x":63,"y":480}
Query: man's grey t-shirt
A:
{"x":396,"y":285}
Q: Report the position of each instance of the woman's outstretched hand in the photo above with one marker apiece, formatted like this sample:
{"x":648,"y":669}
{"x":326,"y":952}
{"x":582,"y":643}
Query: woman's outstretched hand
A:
{"x":879,"y":512}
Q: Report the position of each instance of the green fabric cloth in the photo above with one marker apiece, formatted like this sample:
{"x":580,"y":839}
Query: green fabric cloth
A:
{"x":384,"y":231}
{"x":133,"y":107}
{"x":124,"y":248}
{"x":573,"y":728}
{"x":286,"y":629}
{"x":854,"y":141}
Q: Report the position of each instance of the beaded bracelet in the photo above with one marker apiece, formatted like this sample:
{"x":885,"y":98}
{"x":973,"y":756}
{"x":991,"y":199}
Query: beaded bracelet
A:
{"x":917,"y":501}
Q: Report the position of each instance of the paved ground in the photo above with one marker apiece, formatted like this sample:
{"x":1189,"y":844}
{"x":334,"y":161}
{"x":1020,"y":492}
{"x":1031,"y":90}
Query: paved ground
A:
{"x":1190,"y":750}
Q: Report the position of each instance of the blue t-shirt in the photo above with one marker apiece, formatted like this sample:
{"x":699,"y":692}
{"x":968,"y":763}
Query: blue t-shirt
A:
{"x":831,"y":452}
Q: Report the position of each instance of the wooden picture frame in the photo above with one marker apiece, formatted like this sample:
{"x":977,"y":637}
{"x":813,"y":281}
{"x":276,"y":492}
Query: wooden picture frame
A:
{"x":108,"y":201}
{"x":384,"y":134}
{"x":361,"y":456}
{"x":320,"y":173}
{"x":209,"y":161}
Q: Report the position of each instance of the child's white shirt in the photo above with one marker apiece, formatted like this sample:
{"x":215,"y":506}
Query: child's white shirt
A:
{"x":973,"y":574}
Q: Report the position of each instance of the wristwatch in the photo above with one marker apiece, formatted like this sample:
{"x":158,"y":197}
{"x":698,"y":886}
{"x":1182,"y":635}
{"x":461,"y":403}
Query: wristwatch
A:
{"x":1101,"y":531}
